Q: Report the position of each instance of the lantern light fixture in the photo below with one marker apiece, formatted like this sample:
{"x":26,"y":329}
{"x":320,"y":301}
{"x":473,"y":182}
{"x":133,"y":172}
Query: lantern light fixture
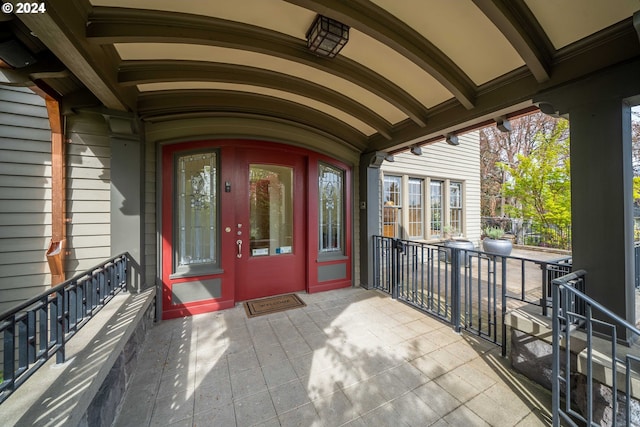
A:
{"x":327,"y":37}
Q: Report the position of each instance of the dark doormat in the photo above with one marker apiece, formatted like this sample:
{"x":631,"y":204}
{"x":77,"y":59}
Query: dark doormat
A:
{"x":259,"y":307}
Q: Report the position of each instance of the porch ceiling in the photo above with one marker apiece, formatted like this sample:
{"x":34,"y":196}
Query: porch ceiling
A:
{"x":412,"y":70}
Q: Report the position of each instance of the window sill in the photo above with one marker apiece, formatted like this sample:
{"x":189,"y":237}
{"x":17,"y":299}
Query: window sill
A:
{"x":197,"y":271}
{"x":330,"y":258}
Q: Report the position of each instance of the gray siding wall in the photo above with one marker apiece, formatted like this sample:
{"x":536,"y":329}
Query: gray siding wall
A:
{"x":88,"y":192}
{"x":25,"y":195}
{"x":456,"y":163}
{"x":151,"y":240}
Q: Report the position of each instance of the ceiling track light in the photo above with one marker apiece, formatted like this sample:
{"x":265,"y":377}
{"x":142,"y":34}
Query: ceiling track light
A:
{"x":503,"y":124}
{"x":326,"y":36}
{"x":452,"y":139}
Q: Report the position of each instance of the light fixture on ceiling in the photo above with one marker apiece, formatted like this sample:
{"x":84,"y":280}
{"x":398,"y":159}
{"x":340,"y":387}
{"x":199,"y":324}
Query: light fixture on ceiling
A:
{"x":452,"y":139}
{"x":389,"y":158}
{"x":327,"y":36}
{"x":503,"y":124}
{"x":417,"y":150}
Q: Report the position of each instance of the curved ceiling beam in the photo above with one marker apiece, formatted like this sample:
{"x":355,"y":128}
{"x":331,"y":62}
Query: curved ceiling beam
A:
{"x":140,"y":72}
{"x":113,"y":25}
{"x":371,"y":19}
{"x":516,"y":22}
{"x":157,"y":104}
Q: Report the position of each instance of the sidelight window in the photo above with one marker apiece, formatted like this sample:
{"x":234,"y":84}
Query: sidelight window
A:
{"x":196,"y":210}
{"x":331,"y":209}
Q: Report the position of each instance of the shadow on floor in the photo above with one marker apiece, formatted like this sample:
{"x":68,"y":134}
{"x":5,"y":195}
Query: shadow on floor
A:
{"x":351,"y":357}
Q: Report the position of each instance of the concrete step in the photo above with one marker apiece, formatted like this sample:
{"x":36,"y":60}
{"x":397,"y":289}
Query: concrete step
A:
{"x":528,"y":320}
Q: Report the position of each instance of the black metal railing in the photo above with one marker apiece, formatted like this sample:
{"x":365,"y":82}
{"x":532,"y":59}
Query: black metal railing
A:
{"x":39,"y":328}
{"x":575,"y":331}
{"x":636,"y":258}
{"x":528,"y":233}
{"x":470,"y":289}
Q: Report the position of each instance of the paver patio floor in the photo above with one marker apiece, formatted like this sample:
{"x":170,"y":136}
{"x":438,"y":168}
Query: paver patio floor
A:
{"x":351,"y":357}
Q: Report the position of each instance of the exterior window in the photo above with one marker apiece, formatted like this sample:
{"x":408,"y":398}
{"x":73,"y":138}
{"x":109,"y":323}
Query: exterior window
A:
{"x":331,"y":221}
{"x":391,"y":206}
{"x":415,"y":207}
{"x":455,"y":206}
{"x":196,"y":217}
{"x":435,"y":199}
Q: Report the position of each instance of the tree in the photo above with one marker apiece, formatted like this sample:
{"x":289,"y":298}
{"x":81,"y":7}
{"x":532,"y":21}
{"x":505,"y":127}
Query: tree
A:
{"x":540,"y":183}
{"x":497,"y":147}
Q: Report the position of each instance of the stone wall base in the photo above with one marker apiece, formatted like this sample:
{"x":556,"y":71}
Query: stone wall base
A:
{"x":105,"y":406}
{"x":532,"y":357}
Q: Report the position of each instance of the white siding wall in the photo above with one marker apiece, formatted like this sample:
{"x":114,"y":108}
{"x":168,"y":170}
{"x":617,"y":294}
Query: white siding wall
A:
{"x":25,"y":195}
{"x":456,"y":163}
{"x":88,"y":192}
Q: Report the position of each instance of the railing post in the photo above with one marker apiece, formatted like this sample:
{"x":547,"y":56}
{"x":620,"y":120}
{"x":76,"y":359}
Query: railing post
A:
{"x":555,"y":366}
{"x":60,"y":325}
{"x":395,"y":266}
{"x":504,"y":306}
{"x":455,"y":289}
{"x":9,"y":334}
{"x":545,"y":289}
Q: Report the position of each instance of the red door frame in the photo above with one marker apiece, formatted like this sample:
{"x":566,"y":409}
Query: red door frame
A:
{"x":228,"y":151}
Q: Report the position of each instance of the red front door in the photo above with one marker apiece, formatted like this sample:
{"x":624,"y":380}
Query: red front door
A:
{"x":270,"y":225}
{"x":233,"y":225}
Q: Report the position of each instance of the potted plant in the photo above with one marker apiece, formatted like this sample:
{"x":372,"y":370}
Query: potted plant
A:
{"x":458,"y":243}
{"x":494,"y":244}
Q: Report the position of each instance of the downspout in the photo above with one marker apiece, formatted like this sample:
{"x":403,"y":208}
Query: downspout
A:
{"x":56,"y":250}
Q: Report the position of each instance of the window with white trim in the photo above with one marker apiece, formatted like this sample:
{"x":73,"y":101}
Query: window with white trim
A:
{"x":422,"y":208}
{"x":435,"y":208}
{"x":416,"y":209}
{"x":455,"y":207}
{"x":391,"y":206}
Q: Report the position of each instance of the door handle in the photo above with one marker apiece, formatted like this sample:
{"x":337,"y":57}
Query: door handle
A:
{"x":239,"y":243}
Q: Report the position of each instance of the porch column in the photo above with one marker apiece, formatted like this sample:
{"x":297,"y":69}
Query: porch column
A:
{"x":127,"y":192}
{"x":601,"y":182}
{"x":369,"y":213}
{"x":602,"y":203}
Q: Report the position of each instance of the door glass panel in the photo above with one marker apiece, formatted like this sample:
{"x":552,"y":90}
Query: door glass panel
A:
{"x":271,"y":210}
{"x":196,"y":210}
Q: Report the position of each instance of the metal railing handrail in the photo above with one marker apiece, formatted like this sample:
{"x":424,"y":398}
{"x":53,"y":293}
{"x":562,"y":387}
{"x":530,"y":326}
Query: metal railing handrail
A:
{"x":472,"y":287}
{"x":565,"y":321}
{"x":35,"y":330}
{"x":578,"y":274}
{"x":21,"y":306}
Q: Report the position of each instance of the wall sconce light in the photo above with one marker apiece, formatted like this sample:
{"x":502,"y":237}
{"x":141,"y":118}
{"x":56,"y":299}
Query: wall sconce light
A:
{"x":327,"y":36}
{"x":452,"y":139}
{"x":390,"y":158}
{"x":417,"y":150}
{"x":504,"y":125}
